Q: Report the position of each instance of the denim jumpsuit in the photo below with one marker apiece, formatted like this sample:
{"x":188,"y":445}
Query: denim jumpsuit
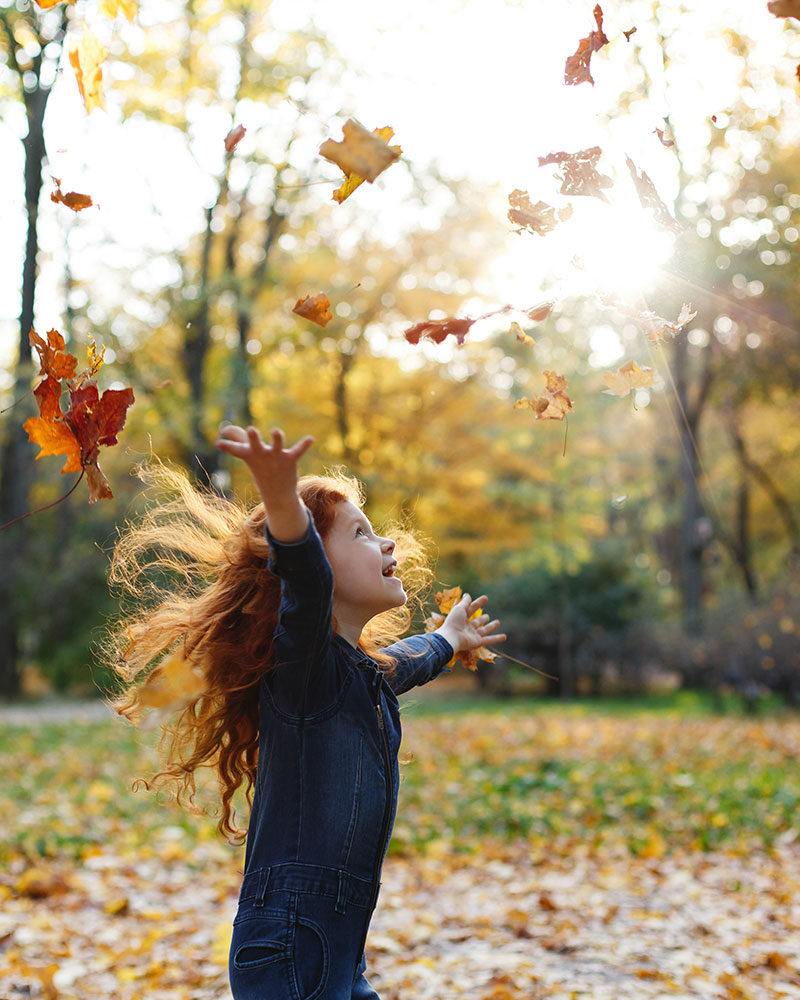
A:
{"x":325,"y":795}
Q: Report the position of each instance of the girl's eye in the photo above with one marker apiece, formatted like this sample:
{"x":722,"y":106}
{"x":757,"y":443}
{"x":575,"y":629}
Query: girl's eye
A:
{"x":360,"y":531}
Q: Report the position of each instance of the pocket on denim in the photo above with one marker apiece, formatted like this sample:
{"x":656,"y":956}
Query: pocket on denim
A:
{"x":273,"y":957}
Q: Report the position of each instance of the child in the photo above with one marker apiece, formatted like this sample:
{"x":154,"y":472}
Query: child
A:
{"x":300,"y":705}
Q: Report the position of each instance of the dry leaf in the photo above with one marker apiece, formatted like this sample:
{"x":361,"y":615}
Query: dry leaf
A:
{"x":629,"y":376}
{"x":628,"y":33}
{"x":446,"y":600}
{"x":540,"y":313}
{"x":172,"y":685}
{"x":522,"y":337}
{"x":111,"y":8}
{"x":361,"y":153}
{"x":54,"y":437}
{"x":576,"y":69}
{"x":649,"y":198}
{"x":437,"y":329}
{"x":655,"y":327}
{"x":77,"y":202}
{"x":539,"y":218}
{"x":315,"y":308}
{"x":352,"y":181}
{"x":553,"y":404}
{"x":579,"y":174}
{"x":86,"y":54}
{"x":234,"y":137}
{"x":664,"y":142}
{"x":784,"y":8}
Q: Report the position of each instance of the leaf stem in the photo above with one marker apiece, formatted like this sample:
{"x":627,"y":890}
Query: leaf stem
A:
{"x":12,"y":405}
{"x":522,"y":663}
{"x":47,"y":506}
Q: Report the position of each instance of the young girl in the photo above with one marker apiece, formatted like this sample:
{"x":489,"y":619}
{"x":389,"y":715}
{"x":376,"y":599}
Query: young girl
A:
{"x":299,"y":703}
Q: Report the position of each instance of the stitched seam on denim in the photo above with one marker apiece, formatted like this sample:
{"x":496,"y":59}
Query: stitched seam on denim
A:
{"x":348,"y":840}
{"x":326,"y":714}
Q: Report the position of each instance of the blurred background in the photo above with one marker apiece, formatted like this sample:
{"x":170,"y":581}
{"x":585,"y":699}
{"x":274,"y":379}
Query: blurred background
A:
{"x":653,"y":543}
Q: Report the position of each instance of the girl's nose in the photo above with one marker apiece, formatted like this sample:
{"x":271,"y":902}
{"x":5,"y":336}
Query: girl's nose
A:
{"x":387,"y":545}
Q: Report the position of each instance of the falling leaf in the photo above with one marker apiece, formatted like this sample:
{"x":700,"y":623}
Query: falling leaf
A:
{"x":576,"y":69}
{"x":173,"y":684}
{"x":629,"y":376}
{"x":77,"y":202}
{"x":784,"y":8}
{"x":628,"y":33}
{"x":539,"y":313}
{"x":655,"y":327}
{"x":352,"y":180}
{"x":361,"y":154}
{"x":664,"y":142}
{"x":90,"y":420}
{"x":579,"y":174}
{"x":47,"y":4}
{"x":234,"y":137}
{"x":553,"y":404}
{"x":539,"y":218}
{"x":315,"y":308}
{"x":522,"y":337}
{"x":437,"y":329}
{"x":86,"y":55}
{"x":446,"y":600}
{"x":110,"y":8}
{"x":649,"y":198}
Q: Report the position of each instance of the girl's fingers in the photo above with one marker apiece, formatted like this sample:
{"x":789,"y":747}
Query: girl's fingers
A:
{"x":491,"y":626}
{"x":489,"y":640}
{"x":277,"y":439}
{"x":302,"y":446}
{"x":232,"y":433}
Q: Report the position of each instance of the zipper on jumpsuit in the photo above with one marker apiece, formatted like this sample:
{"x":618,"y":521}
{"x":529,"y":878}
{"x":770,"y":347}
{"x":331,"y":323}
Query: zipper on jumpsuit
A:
{"x":378,"y":684}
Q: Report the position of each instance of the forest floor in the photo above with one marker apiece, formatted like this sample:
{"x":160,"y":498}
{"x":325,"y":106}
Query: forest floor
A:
{"x":553,"y":854}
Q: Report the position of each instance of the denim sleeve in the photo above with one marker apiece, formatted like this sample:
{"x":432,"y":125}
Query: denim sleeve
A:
{"x":419,"y":659}
{"x":302,"y":637}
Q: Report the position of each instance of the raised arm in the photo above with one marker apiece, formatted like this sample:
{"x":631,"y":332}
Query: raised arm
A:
{"x":274,"y":471}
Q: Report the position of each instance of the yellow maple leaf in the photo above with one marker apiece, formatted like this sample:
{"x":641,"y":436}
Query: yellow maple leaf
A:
{"x":361,"y":155}
{"x":446,"y":600}
{"x":86,"y":54}
{"x":629,"y":376}
{"x":174,"y":683}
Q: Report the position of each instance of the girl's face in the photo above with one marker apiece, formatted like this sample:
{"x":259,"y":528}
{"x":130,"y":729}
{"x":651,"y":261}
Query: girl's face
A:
{"x":363,"y":567}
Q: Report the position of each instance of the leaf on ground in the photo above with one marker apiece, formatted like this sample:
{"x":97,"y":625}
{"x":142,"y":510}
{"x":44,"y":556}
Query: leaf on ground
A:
{"x":361,"y":155}
{"x":784,"y":8}
{"x":110,"y":8}
{"x":446,"y":600}
{"x":576,"y":68}
{"x":86,"y":55}
{"x":316,"y":308}
{"x":539,"y":218}
{"x":649,"y":198}
{"x":77,"y":202}
{"x":579,"y":174}
{"x":629,"y":376}
{"x":553,"y":404}
{"x":234,"y":137}
{"x":354,"y":180}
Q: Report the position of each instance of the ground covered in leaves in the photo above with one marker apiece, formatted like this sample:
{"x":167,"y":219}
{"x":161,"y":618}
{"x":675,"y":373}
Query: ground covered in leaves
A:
{"x":539,"y":852}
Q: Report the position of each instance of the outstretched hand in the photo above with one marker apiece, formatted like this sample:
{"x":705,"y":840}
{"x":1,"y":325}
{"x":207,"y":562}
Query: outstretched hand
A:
{"x":464,"y":634}
{"x":274,"y":471}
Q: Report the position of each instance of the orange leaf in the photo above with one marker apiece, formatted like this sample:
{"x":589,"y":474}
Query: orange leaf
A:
{"x":579,"y":173}
{"x":316,"y":308}
{"x":234,"y":137}
{"x":86,"y":55}
{"x":47,"y":4}
{"x":172,"y":685}
{"x":553,"y":404}
{"x":77,"y":202}
{"x":48,"y":396}
{"x":54,"y":437}
{"x":576,"y":69}
{"x":54,"y":360}
{"x":648,"y":196}
{"x":539,"y":218}
{"x":352,"y":180}
{"x":784,"y":8}
{"x":629,"y":376}
{"x":437,"y":329}
{"x":446,"y":600}
{"x":361,"y":153}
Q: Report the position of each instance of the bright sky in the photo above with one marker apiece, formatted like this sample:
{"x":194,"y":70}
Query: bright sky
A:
{"x":472,"y":84}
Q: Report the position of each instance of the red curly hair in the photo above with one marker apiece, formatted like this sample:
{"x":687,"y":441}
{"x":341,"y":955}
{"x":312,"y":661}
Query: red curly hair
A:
{"x":204,"y":606}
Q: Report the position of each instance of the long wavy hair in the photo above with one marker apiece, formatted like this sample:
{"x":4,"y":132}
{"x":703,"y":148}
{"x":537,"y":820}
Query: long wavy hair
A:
{"x":198,"y":611}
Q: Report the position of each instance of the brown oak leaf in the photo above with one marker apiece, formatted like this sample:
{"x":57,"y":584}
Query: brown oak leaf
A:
{"x":361,"y":152}
{"x":579,"y":174}
{"x":316,"y":308}
{"x":77,"y":202}
{"x":576,"y":68}
{"x":437,"y":329}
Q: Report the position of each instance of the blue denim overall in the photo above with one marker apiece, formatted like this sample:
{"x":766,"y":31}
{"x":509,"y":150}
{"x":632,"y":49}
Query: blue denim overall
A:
{"x":325,"y":795}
